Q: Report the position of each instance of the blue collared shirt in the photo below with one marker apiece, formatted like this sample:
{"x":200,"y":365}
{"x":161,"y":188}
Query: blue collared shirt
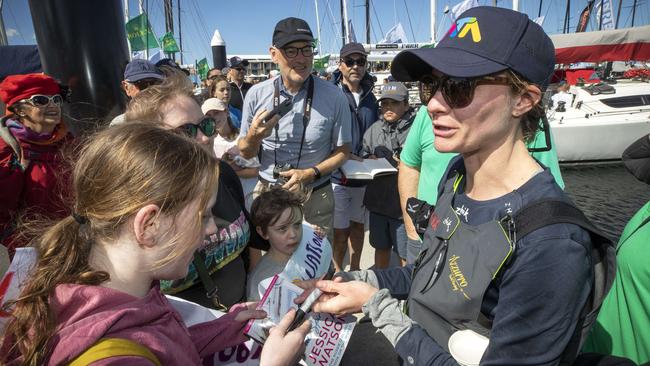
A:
{"x":328,"y":128}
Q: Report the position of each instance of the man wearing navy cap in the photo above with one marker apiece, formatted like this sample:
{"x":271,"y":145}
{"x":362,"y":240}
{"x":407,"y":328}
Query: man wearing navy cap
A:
{"x":239,"y":88}
{"x":349,"y":214}
{"x":302,"y":148}
{"x":138,"y":75}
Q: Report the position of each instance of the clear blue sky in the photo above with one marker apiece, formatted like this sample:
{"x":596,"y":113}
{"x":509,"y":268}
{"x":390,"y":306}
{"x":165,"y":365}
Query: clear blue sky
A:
{"x":247,"y":25}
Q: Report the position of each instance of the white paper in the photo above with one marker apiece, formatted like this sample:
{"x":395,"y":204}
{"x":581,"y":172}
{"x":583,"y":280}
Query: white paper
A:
{"x":367,"y":169}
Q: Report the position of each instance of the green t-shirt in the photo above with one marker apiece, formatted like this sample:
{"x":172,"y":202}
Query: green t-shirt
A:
{"x":419,"y":152}
{"x":623,"y":325}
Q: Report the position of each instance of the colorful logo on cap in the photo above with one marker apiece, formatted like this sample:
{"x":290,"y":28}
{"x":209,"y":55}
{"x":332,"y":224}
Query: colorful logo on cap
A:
{"x":466,"y":25}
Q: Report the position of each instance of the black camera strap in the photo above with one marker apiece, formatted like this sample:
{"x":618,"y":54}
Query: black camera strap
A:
{"x":306,"y":115}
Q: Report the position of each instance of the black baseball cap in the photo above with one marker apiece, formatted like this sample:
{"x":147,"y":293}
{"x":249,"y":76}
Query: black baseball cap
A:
{"x":484,"y":40}
{"x":352,"y":48}
{"x":291,"y":30}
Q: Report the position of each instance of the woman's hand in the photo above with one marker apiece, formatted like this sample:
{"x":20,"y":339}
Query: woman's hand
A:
{"x":341,"y":298}
{"x":282,"y":347}
{"x":249,"y":312}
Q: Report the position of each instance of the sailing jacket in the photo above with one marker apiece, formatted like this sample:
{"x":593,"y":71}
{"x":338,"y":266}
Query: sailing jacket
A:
{"x":531,"y":307}
{"x":363,"y":115}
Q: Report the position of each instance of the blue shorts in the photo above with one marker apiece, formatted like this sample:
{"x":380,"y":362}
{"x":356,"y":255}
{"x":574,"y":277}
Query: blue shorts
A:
{"x":386,"y":233}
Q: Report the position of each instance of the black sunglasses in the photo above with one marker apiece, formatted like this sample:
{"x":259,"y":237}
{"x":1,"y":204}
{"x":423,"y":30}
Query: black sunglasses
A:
{"x":350,"y":62}
{"x":292,"y":52}
{"x":39,"y":100}
{"x":207,"y":125}
{"x":457,"y":92}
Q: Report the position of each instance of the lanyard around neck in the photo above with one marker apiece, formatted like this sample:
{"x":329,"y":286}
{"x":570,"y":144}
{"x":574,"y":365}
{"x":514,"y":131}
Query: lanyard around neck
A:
{"x":306,"y":115}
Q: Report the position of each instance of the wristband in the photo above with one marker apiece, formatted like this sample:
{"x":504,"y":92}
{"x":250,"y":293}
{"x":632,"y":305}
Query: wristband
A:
{"x":317,"y":174}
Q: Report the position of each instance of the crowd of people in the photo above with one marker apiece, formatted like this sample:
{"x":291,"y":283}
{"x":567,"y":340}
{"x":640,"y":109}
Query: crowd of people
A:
{"x":204,"y":196}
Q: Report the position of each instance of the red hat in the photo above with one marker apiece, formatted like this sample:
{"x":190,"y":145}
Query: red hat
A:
{"x":18,"y":87}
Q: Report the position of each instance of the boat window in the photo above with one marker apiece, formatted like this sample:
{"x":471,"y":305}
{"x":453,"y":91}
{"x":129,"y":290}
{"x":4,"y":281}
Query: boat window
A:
{"x":628,"y":101}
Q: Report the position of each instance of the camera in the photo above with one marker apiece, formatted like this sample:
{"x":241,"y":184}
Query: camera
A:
{"x":561,"y":106}
{"x":279,"y":168}
{"x":281,"y":110}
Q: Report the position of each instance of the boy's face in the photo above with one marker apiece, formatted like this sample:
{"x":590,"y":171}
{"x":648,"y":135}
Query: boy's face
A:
{"x":286,"y":233}
{"x":393,"y":110}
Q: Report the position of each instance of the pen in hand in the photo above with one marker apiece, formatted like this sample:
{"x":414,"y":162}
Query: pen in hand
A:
{"x":305,"y":307}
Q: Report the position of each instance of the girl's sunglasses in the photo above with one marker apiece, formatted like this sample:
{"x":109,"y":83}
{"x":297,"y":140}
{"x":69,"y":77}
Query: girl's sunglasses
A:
{"x":207,"y":125}
{"x":39,"y":100}
{"x":457,"y":92}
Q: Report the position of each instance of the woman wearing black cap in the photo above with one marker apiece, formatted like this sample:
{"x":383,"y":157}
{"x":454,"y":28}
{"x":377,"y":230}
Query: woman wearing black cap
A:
{"x":484,"y":267}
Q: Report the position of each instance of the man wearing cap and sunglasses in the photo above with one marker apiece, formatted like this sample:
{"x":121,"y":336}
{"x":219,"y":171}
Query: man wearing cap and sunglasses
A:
{"x":506,"y":255}
{"x":349,"y":214}
{"x":239,"y":88}
{"x":138,"y":75}
{"x":311,"y":139}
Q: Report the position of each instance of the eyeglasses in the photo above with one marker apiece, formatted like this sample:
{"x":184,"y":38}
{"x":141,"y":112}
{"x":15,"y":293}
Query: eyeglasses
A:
{"x":457,"y":92}
{"x":39,"y":100}
{"x":207,"y":125}
{"x":291,"y":52}
{"x":350,"y":62}
{"x":239,"y":69}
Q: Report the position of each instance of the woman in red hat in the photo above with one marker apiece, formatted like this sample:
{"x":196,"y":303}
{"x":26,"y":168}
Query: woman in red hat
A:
{"x":31,"y":166}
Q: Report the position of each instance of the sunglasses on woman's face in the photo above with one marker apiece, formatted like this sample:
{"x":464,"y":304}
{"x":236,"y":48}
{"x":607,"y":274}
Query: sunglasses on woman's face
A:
{"x":39,"y":100}
{"x":457,"y":92}
{"x":207,"y":126}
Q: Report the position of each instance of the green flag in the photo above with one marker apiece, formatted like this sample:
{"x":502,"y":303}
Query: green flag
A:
{"x":321,"y":63}
{"x":139,"y":33}
{"x":169,"y":43}
{"x":203,"y":68}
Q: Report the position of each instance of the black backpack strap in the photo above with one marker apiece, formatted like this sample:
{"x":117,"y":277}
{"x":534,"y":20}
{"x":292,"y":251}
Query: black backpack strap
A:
{"x":603,"y":259}
{"x":548,"y":212}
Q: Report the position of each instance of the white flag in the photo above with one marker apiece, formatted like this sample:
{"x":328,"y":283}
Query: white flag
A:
{"x":539,"y":20}
{"x":395,"y":35}
{"x":608,"y":17}
{"x":352,"y":38}
{"x":459,"y":8}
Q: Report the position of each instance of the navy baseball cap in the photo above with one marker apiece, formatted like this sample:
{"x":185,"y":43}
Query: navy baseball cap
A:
{"x":352,"y":48}
{"x":290,"y":30}
{"x":137,"y":70}
{"x":482,"y":41}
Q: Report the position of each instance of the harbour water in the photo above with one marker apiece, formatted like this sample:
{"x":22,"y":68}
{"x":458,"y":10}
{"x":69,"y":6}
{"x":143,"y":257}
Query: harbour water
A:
{"x":607,"y":194}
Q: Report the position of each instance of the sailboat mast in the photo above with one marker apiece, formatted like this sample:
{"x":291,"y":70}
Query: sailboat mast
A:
{"x":618,"y":13}
{"x":320,"y":42}
{"x":345,"y":21}
{"x":343,"y":36}
{"x":433,"y":21}
{"x":539,"y":11}
{"x":633,"y":12}
{"x":566,"y":17}
{"x":3,"y":33}
{"x":368,"y":21}
{"x":180,"y":32}
{"x":515,"y":5}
